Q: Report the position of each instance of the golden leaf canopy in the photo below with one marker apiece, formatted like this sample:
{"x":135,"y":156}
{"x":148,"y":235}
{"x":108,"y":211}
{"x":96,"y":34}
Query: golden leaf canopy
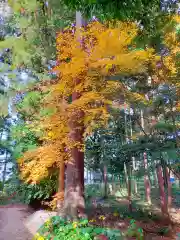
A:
{"x":85,"y":60}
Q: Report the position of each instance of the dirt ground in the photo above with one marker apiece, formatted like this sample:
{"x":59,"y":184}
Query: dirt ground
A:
{"x":11,"y":222}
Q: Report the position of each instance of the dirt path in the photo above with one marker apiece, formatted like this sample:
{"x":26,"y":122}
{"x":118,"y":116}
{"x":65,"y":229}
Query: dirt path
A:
{"x":11,"y":222}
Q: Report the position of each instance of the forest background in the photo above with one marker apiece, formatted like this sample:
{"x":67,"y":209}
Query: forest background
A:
{"x":101,"y":91}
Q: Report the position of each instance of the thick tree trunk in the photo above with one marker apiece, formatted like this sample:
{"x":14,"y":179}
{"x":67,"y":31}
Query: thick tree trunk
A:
{"x":74,"y":203}
{"x":164,"y":207}
{"x":74,"y":193}
{"x":146,"y":180}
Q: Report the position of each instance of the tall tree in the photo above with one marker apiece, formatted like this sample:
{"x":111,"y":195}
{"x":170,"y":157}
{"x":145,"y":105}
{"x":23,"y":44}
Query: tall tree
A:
{"x":91,"y":66}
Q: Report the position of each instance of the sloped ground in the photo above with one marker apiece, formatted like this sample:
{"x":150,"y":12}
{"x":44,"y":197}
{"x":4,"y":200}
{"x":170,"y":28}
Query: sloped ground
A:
{"x":12,"y":219}
{"x":153,"y":227}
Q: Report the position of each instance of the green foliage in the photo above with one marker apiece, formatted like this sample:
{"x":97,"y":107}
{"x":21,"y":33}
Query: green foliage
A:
{"x":134,"y":231}
{"x":164,"y":127}
{"x":29,"y":106}
{"x":1,"y":185}
{"x":134,"y":9}
{"x":25,"y":139}
{"x":41,"y":191}
{"x":163,"y":231}
{"x":36,"y":45}
{"x":103,"y":147}
{"x":27,"y":193}
{"x":59,"y":229}
{"x":92,"y":190}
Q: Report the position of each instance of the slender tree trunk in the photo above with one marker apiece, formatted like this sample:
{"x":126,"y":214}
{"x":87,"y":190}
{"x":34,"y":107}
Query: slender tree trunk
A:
{"x":155,"y":175}
{"x":120,"y":181}
{"x":90,"y":177}
{"x":142,"y":121}
{"x":146,"y":180}
{"x":105,"y":181}
{"x":5,"y":170}
{"x":135,"y":186}
{"x":133,"y":160}
{"x":113,"y":184}
{"x":129,"y":189}
{"x":169,"y":188}
{"x":126,"y":174}
{"x":128,"y":184}
{"x":134,"y":178}
{"x":61,"y":187}
{"x":146,"y":177}
{"x":164,"y":207}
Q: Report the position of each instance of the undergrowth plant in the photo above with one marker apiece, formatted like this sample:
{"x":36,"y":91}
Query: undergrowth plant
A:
{"x":135,"y":231}
{"x":59,"y":228}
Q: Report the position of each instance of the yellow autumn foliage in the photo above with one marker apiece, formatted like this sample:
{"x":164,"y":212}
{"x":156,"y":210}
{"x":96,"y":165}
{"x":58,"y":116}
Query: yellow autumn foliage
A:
{"x":85,"y":60}
{"x":169,"y":70}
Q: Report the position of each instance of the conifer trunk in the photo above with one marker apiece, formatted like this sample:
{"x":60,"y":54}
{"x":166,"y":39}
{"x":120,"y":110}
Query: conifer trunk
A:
{"x":113,"y":184}
{"x":128,"y":183}
{"x":105,"y":181}
{"x":146,"y":180}
{"x":134,"y":177}
{"x":169,"y":188}
{"x":129,"y":189}
{"x":155,"y":175}
{"x":4,"y":171}
{"x":125,"y":174}
{"x":146,"y":177}
{"x":163,"y":203}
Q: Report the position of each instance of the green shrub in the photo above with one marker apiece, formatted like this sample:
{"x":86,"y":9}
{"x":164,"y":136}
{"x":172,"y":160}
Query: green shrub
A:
{"x":1,"y":186}
{"x":41,"y":191}
{"x":134,"y":231}
{"x":93,"y":190}
{"x":30,"y":192}
{"x":59,"y":229}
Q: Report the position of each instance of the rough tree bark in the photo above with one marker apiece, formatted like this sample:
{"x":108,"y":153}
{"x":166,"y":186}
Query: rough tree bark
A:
{"x":128,"y":183}
{"x":4,"y":170}
{"x":146,"y":180}
{"x":169,"y":188}
{"x":155,"y":174}
{"x":105,"y":181}
{"x":134,"y":177}
{"x":61,"y":187}
{"x":164,"y":207}
{"x":74,"y":203}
